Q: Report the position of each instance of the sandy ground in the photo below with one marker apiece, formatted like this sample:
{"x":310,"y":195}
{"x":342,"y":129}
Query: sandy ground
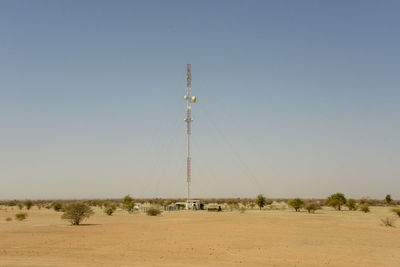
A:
{"x":189,"y":238}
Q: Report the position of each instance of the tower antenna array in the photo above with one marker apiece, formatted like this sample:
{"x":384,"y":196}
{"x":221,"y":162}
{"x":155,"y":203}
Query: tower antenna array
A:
{"x":188,"y":120}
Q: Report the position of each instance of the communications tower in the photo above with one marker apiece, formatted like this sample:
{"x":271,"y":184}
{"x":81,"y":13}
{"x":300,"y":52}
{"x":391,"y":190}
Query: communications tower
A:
{"x":188,"y":120}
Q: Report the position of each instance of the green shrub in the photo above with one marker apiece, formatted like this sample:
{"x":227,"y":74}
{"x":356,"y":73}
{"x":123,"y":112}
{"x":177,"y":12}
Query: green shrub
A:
{"x":364,"y":208}
{"x":153,"y":212}
{"x":21,"y":216}
{"x":397,"y":211}
{"x":351,"y":204}
{"x":128,"y":204}
{"x":261,"y":201}
{"x":77,"y":212}
{"x":311,"y":207}
{"x":388,"y":199}
{"x":388,"y":221}
{"x":28,"y":204}
{"x":110,"y":210}
{"x":57,"y":206}
{"x":8,"y":219}
{"x":242,"y":209}
{"x":296,"y":203}
{"x":336,"y":200}
{"x":20,"y":205}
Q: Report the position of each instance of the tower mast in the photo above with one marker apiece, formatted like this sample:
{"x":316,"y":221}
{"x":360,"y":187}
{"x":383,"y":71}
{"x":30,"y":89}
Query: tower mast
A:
{"x":189,"y":99}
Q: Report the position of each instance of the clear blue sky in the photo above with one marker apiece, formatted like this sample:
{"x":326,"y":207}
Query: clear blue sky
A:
{"x":296,"y":98}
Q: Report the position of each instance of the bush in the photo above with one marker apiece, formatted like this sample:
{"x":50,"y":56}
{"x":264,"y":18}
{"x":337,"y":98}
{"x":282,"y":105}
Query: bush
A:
{"x":20,"y":206}
{"x":397,"y":211}
{"x":21,"y":216}
{"x":77,"y":212}
{"x":28,"y":204}
{"x":128,"y":204}
{"x":261,"y":201}
{"x":311,"y":207}
{"x":110,"y":210}
{"x":388,"y":221}
{"x":296,"y":203}
{"x":242,"y":209}
{"x":351,"y":204}
{"x":57,"y":206}
{"x":8,"y":219}
{"x":364,"y":208}
{"x":153,"y":212}
{"x":388,"y":199}
{"x":336,"y":200}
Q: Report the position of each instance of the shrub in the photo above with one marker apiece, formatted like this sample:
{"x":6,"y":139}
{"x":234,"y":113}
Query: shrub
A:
{"x":153,"y":212}
{"x":57,"y":206}
{"x":77,"y":212}
{"x":296,"y":203}
{"x":311,"y":207}
{"x":128,"y":203}
{"x":110,"y":210}
{"x":242,"y":209}
{"x":351,"y":204}
{"x":397,"y":211}
{"x":261,"y":201}
{"x":364,"y":208}
{"x":8,"y":219}
{"x":21,"y":216}
{"x":388,"y":199}
{"x":336,"y":200}
{"x":20,"y":206}
{"x":28,"y":204}
{"x":388,"y":221}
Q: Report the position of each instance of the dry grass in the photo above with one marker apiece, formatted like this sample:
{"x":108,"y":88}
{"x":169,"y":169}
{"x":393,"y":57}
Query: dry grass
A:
{"x":200,"y":238}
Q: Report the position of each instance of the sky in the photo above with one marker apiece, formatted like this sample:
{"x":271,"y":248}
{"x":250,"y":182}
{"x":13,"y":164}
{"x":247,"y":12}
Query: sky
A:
{"x":295,"y":98}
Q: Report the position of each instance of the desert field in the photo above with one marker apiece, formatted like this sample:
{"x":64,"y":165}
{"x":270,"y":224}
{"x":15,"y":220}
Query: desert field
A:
{"x":201,"y":238}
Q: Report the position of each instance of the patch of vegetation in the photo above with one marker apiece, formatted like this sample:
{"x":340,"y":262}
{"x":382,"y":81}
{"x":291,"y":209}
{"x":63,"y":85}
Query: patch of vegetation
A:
{"x":388,"y":199}
{"x":351,"y":204}
{"x":57,"y":206}
{"x":21,"y":216}
{"x":128,"y":204}
{"x":153,"y":212}
{"x":397,"y":211}
{"x":110,"y":210}
{"x":336,"y":201}
{"x":311,"y":207}
{"x":77,"y":212}
{"x":20,"y":205}
{"x":28,"y":204}
{"x":261,"y":201}
{"x":242,"y":209}
{"x":388,"y":221}
{"x":364,"y":208}
{"x":8,"y":219}
{"x":296,"y":203}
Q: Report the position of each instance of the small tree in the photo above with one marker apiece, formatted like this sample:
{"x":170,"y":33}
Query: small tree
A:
{"x":351,"y":204}
{"x":336,"y":200}
{"x":311,"y":207}
{"x":28,"y":204}
{"x":388,"y":199}
{"x":128,"y":204}
{"x":364,"y":208}
{"x":20,"y":205}
{"x":261,"y":201}
{"x":57,"y":206}
{"x":296,"y":203}
{"x":77,"y":212}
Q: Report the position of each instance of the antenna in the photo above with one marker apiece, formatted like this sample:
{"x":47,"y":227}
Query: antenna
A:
{"x":189,"y":99}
